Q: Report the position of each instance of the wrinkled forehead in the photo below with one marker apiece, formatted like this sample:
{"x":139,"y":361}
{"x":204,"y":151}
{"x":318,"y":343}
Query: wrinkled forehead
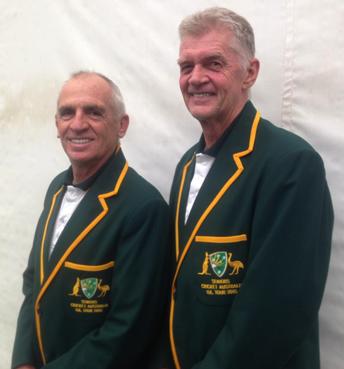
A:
{"x":223,"y":35}
{"x":212,"y":42}
{"x":85,"y":88}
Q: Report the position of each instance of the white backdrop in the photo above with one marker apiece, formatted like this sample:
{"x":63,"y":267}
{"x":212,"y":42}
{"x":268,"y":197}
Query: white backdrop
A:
{"x":301,"y":47}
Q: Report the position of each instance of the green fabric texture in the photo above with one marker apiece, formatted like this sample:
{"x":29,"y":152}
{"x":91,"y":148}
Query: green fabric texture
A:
{"x":104,"y":307}
{"x":249,"y":288}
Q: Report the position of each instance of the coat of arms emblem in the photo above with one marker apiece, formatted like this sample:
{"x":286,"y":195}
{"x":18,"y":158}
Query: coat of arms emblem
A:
{"x":89,"y":286}
{"x":218,"y":262}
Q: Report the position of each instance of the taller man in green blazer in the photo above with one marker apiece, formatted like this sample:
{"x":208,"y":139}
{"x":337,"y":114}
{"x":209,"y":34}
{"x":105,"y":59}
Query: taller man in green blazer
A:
{"x":97,"y":273}
{"x":253,"y":217}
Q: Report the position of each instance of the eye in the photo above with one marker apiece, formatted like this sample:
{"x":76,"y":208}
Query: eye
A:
{"x":215,"y":65}
{"x":185,"y":68}
{"x":94,"y":112}
{"x":66,"y":113}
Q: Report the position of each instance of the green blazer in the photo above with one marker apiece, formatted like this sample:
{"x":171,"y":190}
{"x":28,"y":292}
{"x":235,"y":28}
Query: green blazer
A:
{"x":98,"y":302}
{"x":253,"y":256}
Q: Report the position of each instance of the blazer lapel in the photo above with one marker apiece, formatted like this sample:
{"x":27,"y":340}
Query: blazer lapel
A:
{"x":189,"y":172}
{"x":49,"y":217}
{"x":224,"y":172}
{"x":90,"y":211}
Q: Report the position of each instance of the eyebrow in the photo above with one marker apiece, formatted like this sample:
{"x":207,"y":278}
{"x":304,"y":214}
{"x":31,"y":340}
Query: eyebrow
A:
{"x":83,"y":107}
{"x":94,"y":106}
{"x":215,"y":55}
{"x":62,"y":108}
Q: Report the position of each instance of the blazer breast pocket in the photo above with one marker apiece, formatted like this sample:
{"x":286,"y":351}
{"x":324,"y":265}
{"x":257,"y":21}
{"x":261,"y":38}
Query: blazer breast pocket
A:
{"x":87,"y":288}
{"x":219,"y":265}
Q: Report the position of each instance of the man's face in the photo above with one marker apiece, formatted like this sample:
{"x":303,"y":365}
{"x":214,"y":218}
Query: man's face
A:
{"x":86,"y":121}
{"x":213,"y":78}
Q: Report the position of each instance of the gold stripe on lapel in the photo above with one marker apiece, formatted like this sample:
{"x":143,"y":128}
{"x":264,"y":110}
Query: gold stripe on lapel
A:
{"x":222,"y":239}
{"x":230,"y":181}
{"x":45,"y":234}
{"x":186,"y":167}
{"x":70,"y":249}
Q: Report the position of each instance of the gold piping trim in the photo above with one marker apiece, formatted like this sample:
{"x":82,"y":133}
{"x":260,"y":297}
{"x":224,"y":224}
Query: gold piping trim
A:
{"x":73,"y":245}
{"x":178,"y":207}
{"x":89,"y":268}
{"x":45,"y":233}
{"x":173,"y":345}
{"x":230,"y":181}
{"x":220,"y":239}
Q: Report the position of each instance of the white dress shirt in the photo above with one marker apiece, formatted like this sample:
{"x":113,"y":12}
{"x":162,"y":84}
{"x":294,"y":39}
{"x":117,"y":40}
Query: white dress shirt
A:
{"x":202,"y":166}
{"x":71,"y":200}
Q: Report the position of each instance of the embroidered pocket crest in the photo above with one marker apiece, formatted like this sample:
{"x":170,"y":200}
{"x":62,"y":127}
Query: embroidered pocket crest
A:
{"x":89,"y":286}
{"x":218,"y":262}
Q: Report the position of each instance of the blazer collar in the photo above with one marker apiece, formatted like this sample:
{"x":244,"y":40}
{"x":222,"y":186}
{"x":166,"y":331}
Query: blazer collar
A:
{"x":85,"y":216}
{"x":224,"y":172}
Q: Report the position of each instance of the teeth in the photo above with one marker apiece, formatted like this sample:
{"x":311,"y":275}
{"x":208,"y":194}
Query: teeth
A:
{"x":80,"y":140}
{"x":201,"y":94}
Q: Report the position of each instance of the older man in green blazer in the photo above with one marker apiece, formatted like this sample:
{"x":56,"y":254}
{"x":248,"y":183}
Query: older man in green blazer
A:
{"x":98,"y":270}
{"x":253,"y":217}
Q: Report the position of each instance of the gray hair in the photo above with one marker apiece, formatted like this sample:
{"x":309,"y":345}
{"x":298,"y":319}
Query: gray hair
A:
{"x":204,"y":21}
{"x":117,"y":98}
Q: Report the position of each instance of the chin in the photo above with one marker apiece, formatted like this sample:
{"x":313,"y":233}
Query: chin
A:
{"x":201,"y":116}
{"x":201,"y":112}
{"x":79,"y":159}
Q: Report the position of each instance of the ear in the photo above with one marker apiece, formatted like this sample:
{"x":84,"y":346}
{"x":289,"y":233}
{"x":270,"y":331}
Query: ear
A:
{"x":56,"y":125}
{"x":251,"y":74}
{"x":123,"y":126}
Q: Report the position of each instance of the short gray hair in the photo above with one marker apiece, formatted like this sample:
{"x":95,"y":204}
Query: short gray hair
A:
{"x":206,"y":20}
{"x":117,"y":98}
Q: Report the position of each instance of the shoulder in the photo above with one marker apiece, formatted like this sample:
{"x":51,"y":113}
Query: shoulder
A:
{"x":141,"y":203}
{"x":282,"y":151}
{"x":278,"y":142}
{"x":140,"y":191}
{"x":280,"y":137}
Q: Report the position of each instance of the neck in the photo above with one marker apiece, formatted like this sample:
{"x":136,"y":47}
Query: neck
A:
{"x":213,"y":129}
{"x":83,"y":172}
{"x":212,"y":132}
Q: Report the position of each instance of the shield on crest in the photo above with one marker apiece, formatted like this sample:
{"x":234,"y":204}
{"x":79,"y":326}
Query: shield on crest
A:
{"x":89,"y":286}
{"x":218,"y":262}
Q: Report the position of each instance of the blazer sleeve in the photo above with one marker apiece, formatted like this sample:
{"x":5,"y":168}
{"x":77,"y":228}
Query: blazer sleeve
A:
{"x":139,"y":296}
{"x":280,"y":296}
{"x":23,"y":343}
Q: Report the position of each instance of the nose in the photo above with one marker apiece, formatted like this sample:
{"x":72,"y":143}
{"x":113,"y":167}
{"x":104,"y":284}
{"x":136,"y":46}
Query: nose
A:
{"x":79,"y":121}
{"x":198,"y":75}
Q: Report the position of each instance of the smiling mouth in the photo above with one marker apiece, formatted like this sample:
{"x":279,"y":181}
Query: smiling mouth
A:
{"x":80,"y":141}
{"x":202,"y":94}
